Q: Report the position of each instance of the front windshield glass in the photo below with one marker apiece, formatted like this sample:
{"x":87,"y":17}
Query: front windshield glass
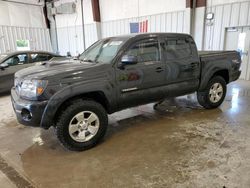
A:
{"x":102,"y":51}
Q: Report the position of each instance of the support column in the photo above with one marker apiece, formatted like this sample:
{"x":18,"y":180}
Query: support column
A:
{"x":97,"y":17}
{"x":195,"y":20}
{"x":199,"y":23}
{"x":188,"y":17}
{"x":52,"y":26}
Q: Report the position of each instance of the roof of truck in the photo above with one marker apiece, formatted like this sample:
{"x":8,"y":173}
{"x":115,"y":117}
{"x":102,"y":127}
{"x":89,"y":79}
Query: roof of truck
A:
{"x":150,"y":35}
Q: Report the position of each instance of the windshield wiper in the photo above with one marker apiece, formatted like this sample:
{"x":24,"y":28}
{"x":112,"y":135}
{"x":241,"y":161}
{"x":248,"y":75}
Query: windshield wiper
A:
{"x":87,"y":60}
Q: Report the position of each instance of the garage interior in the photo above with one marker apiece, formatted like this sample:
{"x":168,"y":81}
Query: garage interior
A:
{"x":179,"y":144}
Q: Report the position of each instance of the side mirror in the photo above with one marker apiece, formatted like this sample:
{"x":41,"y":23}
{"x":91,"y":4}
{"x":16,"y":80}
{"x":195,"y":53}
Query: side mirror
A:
{"x":4,"y":66}
{"x":129,"y":60}
{"x":77,"y":57}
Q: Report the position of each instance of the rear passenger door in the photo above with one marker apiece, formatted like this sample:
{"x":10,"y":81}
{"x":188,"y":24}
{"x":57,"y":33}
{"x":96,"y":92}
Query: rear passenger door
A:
{"x":139,"y":83}
{"x":182,"y":64}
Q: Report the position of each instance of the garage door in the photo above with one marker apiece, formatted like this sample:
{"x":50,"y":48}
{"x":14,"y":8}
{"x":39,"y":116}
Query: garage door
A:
{"x":239,"y":39}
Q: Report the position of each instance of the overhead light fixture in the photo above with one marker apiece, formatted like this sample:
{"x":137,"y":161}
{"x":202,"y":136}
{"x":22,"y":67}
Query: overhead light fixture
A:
{"x":232,"y":29}
{"x":210,"y":16}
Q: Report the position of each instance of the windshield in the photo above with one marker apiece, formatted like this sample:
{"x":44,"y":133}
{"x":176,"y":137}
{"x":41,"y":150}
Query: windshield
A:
{"x":102,"y":51}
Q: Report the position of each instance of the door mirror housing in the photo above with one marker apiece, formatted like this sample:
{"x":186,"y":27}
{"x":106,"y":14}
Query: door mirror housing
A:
{"x":129,"y":60}
{"x":3,"y":66}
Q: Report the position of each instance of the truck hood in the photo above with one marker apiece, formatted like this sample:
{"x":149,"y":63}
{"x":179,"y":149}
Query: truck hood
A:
{"x":47,"y":69}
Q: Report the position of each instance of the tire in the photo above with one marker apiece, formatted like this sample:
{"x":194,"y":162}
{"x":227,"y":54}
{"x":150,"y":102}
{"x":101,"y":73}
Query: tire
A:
{"x":74,"y":124}
{"x":208,"y":98}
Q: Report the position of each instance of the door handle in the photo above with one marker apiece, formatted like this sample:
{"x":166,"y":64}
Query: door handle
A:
{"x":159,"y":69}
{"x":193,"y":65}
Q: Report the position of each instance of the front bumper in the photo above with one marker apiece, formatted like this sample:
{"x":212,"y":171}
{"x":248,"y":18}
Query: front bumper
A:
{"x":28,"y":113}
{"x":235,"y":75}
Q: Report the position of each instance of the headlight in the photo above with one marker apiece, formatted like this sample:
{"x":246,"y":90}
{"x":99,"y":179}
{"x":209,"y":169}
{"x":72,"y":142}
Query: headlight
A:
{"x":31,"y":89}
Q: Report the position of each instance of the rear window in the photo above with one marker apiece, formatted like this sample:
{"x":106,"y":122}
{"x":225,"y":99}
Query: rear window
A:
{"x":177,"y":48}
{"x":37,"y":57}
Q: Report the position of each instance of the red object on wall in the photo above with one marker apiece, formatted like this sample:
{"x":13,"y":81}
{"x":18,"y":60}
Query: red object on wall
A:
{"x":143,"y":26}
{"x":139,"y":27}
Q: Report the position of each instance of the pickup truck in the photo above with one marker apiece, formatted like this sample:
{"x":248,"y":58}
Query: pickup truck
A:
{"x":116,"y":73}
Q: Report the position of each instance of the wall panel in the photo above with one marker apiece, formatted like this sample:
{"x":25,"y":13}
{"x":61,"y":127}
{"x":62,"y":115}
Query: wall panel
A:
{"x":169,"y":22}
{"x":244,"y":8}
{"x":226,"y":15}
{"x":217,"y":29}
{"x":165,"y":22}
{"x":180,"y":22}
{"x":70,"y":39}
{"x":234,"y":17}
{"x":38,"y":37}
{"x":123,"y":9}
{"x":248,"y":17}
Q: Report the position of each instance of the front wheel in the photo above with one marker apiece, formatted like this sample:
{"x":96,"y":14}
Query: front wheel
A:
{"x":82,"y":125}
{"x":214,"y":93}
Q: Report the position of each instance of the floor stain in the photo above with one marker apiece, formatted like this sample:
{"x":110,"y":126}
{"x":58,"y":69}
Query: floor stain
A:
{"x":176,"y":144}
{"x":13,"y":175}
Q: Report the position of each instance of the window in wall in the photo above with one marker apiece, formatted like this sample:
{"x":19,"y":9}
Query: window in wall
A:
{"x":147,"y":50}
{"x":177,"y":48}
{"x":23,"y":45}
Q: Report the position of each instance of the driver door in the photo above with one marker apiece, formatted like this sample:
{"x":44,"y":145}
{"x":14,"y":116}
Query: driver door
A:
{"x":140,"y":83}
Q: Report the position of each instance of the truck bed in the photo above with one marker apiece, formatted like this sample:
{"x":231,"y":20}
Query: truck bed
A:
{"x":227,"y":61}
{"x":214,"y":53}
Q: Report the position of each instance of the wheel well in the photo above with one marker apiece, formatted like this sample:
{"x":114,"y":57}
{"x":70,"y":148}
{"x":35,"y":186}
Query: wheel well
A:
{"x":223,"y":73}
{"x":97,"y":96}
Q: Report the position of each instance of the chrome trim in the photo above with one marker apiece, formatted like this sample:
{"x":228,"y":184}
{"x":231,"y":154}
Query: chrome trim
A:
{"x":129,"y":89}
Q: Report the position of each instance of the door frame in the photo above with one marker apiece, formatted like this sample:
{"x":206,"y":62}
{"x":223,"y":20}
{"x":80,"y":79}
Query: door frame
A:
{"x":135,"y":91}
{"x":240,"y":28}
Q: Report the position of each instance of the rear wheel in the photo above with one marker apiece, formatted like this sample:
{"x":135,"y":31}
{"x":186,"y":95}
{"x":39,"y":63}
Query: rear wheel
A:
{"x":214,"y":93}
{"x":82,"y":125}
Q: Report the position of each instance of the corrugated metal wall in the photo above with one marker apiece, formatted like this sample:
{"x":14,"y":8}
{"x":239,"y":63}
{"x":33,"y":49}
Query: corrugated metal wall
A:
{"x":165,"y":22}
{"x":38,"y":37}
{"x":70,"y":39}
{"x":226,"y":15}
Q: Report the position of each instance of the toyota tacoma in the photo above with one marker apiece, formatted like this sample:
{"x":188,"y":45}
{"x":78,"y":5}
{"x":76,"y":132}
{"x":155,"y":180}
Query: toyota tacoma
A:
{"x":116,"y":73}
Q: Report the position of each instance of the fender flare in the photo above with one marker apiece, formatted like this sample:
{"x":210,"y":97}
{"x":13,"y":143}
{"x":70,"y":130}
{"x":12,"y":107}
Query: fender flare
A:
{"x":68,"y":92}
{"x":209,"y":75}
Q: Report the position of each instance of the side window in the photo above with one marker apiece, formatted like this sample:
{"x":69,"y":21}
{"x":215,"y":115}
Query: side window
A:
{"x":146,"y":50}
{"x":177,"y":48}
{"x":36,"y":57}
{"x":17,"y":60}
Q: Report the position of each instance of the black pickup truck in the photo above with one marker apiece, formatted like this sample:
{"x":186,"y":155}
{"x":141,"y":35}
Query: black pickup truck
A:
{"x":115,"y":73}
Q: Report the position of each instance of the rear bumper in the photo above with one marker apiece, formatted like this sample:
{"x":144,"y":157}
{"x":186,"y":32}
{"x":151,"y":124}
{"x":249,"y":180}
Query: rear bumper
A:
{"x":28,"y":113}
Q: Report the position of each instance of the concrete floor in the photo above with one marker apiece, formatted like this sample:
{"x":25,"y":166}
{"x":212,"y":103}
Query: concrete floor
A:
{"x":179,"y":145}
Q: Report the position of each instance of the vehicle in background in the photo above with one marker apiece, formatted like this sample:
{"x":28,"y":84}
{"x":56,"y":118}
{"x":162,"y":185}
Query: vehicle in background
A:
{"x":15,"y":61}
{"x":116,"y":73}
